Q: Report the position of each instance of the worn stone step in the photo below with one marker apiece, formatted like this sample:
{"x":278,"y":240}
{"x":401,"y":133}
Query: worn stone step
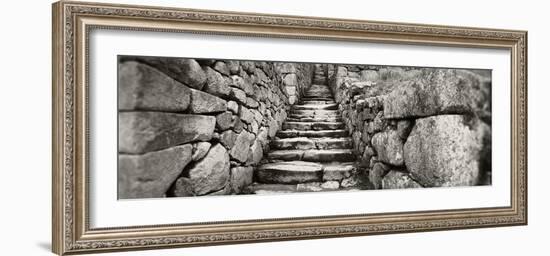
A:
{"x":338,"y":171}
{"x":314,"y":119}
{"x":325,"y":133}
{"x":268,"y":189}
{"x":318,"y":94}
{"x":317,"y":126}
{"x":317,"y":98}
{"x":313,"y":155}
{"x":291,"y":172}
{"x":317,"y":102}
{"x":315,"y":112}
{"x":316,"y":106}
{"x":312,"y":143}
{"x":313,"y":116}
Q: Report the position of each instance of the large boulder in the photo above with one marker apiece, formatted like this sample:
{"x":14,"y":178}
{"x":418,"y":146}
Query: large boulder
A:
{"x":216,"y":84}
{"x":210,"y":173}
{"x":141,"y":132}
{"x":239,"y":151}
{"x":436,"y":92}
{"x":141,"y":87}
{"x":187,"y":71}
{"x":204,"y":103}
{"x":150,"y":175}
{"x":447,"y":150}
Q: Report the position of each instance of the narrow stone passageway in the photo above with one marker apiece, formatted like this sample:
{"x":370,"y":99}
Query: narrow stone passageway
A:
{"x":313,"y":151}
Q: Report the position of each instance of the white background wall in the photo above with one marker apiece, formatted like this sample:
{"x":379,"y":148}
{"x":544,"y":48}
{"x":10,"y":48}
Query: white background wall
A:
{"x":25,"y":140}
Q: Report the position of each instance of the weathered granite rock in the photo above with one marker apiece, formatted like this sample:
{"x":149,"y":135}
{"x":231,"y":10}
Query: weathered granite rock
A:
{"x":240,"y":178}
{"x":233,"y":107}
{"x":234,"y":66}
{"x":438,"y":91}
{"x":200,"y":149}
{"x":445,"y":150}
{"x":221,"y":67}
{"x":141,"y":87}
{"x":216,"y":84}
{"x":377,"y":173}
{"x":141,"y":132}
{"x":255,"y":153}
{"x":238,"y":95}
{"x":228,"y":138}
{"x":398,"y":180}
{"x":187,"y":71}
{"x":224,"y":121}
{"x":246,"y":115}
{"x":203,"y":103}
{"x":210,"y":173}
{"x":151,"y":174}
{"x":389,"y":147}
{"x":239,"y":151}
{"x":404,"y":127}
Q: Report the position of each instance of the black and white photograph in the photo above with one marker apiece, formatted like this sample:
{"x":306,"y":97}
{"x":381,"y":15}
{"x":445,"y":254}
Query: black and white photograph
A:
{"x":205,"y":127}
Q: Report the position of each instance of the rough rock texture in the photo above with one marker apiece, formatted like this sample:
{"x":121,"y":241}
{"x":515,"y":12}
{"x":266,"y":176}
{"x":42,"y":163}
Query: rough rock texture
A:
{"x":389,"y":147}
{"x":141,"y":132}
{"x":202,"y":103}
{"x":151,"y":174}
{"x":438,"y":91}
{"x":143,"y":87}
{"x":398,"y":180}
{"x":240,"y":178}
{"x":445,"y":150}
{"x":210,"y":173}
{"x":186,"y":71}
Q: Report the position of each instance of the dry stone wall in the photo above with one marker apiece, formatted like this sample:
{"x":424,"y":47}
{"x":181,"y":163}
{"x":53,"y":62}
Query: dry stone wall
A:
{"x":193,"y":127}
{"x":417,"y":127}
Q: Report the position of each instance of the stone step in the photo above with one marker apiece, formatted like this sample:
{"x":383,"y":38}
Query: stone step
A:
{"x":312,"y":143}
{"x":314,"y":119}
{"x":318,"y":94}
{"x":316,"y":106}
{"x":313,"y":155}
{"x":291,"y":172}
{"x":269,"y":189}
{"x":296,"y":172}
{"x":318,"y":98}
{"x":317,"y":134}
{"x":320,"y":112}
{"x":317,"y":126}
{"x":317,"y":102}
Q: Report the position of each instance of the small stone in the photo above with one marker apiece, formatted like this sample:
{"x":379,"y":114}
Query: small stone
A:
{"x":234,"y":66}
{"x":251,"y":103}
{"x":238,"y":95}
{"x":246,"y":115}
{"x":210,"y":173}
{"x":330,"y":185}
{"x":221,"y":67}
{"x":233,"y":107}
{"x":227,"y":138}
{"x":377,"y":173}
{"x":398,"y":180}
{"x":202,"y":103}
{"x":200,"y":149}
{"x":290,"y":80}
{"x":238,"y":125}
{"x":239,"y":151}
{"x":256,"y":153}
{"x":349,"y":182}
{"x":216,"y":84}
{"x":389,"y":147}
{"x":241,"y":177}
{"x":224,"y":121}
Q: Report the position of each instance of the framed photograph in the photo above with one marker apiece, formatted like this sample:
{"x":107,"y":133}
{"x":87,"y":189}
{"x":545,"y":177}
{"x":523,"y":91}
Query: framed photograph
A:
{"x":179,"y":127}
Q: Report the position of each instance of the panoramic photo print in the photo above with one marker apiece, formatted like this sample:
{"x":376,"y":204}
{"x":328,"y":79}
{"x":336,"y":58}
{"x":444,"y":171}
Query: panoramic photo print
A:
{"x":206,"y":127}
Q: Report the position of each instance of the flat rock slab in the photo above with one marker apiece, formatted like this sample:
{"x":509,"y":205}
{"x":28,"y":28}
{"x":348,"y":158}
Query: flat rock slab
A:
{"x":314,"y":119}
{"x":291,"y":172}
{"x":303,"y":101}
{"x":268,"y":189}
{"x":316,"y":106}
{"x":316,"y":98}
{"x":304,"y":126}
{"x":312,"y":143}
{"x":313,"y":155}
{"x":338,"y":171}
{"x":315,"y":112}
{"x":141,"y":132}
{"x":326,"y":133}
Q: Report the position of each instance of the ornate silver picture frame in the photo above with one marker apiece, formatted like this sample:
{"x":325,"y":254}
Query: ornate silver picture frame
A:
{"x":73,"y":202}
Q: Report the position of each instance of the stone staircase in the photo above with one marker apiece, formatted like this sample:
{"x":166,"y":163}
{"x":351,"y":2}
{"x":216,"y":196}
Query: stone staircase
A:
{"x":312,"y":152}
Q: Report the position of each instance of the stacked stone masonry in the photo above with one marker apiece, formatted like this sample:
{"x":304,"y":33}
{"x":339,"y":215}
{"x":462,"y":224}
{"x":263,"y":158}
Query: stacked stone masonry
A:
{"x":417,"y":127}
{"x":193,"y":127}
